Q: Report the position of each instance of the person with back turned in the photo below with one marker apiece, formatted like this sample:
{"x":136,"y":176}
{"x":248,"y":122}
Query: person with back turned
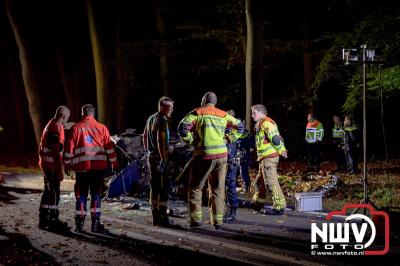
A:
{"x":50,"y":162}
{"x":89,"y":152}
{"x":205,"y":129}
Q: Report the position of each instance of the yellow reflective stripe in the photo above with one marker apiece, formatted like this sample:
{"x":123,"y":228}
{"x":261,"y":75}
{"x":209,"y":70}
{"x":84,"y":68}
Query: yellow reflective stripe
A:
{"x":80,"y":212}
{"x":68,"y":155}
{"x":211,"y":147}
{"x":113,"y":159}
{"x":97,"y":210}
{"x":197,"y":215}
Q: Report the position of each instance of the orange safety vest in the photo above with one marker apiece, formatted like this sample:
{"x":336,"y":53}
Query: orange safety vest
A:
{"x":89,"y":147}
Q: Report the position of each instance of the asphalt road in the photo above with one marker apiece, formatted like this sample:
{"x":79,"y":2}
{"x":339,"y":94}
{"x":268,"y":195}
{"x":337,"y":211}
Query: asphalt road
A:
{"x":255,"y":239}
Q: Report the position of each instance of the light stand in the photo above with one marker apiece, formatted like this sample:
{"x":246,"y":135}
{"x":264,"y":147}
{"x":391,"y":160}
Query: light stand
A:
{"x":349,"y":55}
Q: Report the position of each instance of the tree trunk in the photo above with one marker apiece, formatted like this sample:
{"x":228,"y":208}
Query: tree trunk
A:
{"x":163,"y":48}
{"x":258,"y":92}
{"x":70,"y":87}
{"x":98,"y":60}
{"x":307,"y":64}
{"x":249,"y":63}
{"x":20,"y":119}
{"x":120,"y":78}
{"x":27,"y":73}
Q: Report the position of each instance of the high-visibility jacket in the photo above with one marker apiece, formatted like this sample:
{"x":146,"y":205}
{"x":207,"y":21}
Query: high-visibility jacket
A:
{"x":314,"y":132}
{"x":337,"y":132}
{"x":51,"y":146}
{"x":89,"y":147}
{"x":204,"y":128}
{"x":269,"y":142}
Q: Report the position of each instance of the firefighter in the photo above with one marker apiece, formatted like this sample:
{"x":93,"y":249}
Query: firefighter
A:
{"x":89,"y":152}
{"x":230,"y":181}
{"x":204,"y":128}
{"x":156,"y":144}
{"x":270,"y":146}
{"x":338,"y":141}
{"x":50,"y":162}
{"x":351,"y":144}
{"x":314,"y":136}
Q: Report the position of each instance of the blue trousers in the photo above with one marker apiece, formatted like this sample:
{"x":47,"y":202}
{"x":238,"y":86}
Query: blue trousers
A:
{"x":230,"y":183}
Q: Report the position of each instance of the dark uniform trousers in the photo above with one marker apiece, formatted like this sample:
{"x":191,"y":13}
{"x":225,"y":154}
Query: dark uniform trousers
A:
{"x":91,"y":180}
{"x":50,"y":196}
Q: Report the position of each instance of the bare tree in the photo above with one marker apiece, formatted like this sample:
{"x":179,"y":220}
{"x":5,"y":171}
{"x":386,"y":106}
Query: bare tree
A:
{"x":307,"y":62}
{"x":27,"y":72}
{"x":98,"y":59}
{"x":162,"y":47}
{"x":254,"y":55}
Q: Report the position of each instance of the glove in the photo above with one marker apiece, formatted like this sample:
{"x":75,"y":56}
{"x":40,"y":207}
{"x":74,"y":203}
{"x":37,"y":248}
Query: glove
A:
{"x":284,"y":154}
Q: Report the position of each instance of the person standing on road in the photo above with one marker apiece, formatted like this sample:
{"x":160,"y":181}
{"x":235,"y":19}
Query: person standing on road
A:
{"x":351,"y":144}
{"x":338,"y":141}
{"x":50,"y":162}
{"x":230,"y":181}
{"x":269,"y":145}
{"x":89,"y":152}
{"x":156,"y":144}
{"x":205,"y":129}
{"x":314,"y":136}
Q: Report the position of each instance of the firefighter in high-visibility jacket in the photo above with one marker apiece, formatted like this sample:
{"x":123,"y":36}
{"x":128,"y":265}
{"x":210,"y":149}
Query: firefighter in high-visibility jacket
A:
{"x":204,"y":128}
{"x":314,"y":136}
{"x":89,"y":152}
{"x":270,"y":146}
{"x":338,"y":142}
{"x":50,"y":162}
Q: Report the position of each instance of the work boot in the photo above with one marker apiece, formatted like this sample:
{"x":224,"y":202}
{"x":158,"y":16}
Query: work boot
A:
{"x":97,"y":227}
{"x":194,"y":224}
{"x":58,"y":225}
{"x":218,"y":227}
{"x":163,"y":218}
{"x":156,"y":216}
{"x":230,"y":215}
{"x":257,"y":205}
{"x":79,"y":224}
{"x":55,"y":223}
{"x":44,"y":219}
{"x":274,"y":212}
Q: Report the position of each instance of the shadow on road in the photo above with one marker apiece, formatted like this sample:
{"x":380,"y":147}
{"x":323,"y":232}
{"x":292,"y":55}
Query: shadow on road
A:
{"x":146,"y":251}
{"x":16,"y":249}
{"x":7,"y":198}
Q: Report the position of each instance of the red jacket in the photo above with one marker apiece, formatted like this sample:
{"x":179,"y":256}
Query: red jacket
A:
{"x":51,"y":146}
{"x":89,"y":147}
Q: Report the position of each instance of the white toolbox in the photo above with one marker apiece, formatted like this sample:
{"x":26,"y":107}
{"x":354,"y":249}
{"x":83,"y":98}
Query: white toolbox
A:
{"x":308,"y":201}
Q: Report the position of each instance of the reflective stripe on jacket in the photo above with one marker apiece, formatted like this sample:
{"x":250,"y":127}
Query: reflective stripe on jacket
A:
{"x":204,"y":128}
{"x":51,"y":146}
{"x":314,"y":132}
{"x":89,"y":147}
{"x":266,"y":129}
{"x":337,"y":132}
